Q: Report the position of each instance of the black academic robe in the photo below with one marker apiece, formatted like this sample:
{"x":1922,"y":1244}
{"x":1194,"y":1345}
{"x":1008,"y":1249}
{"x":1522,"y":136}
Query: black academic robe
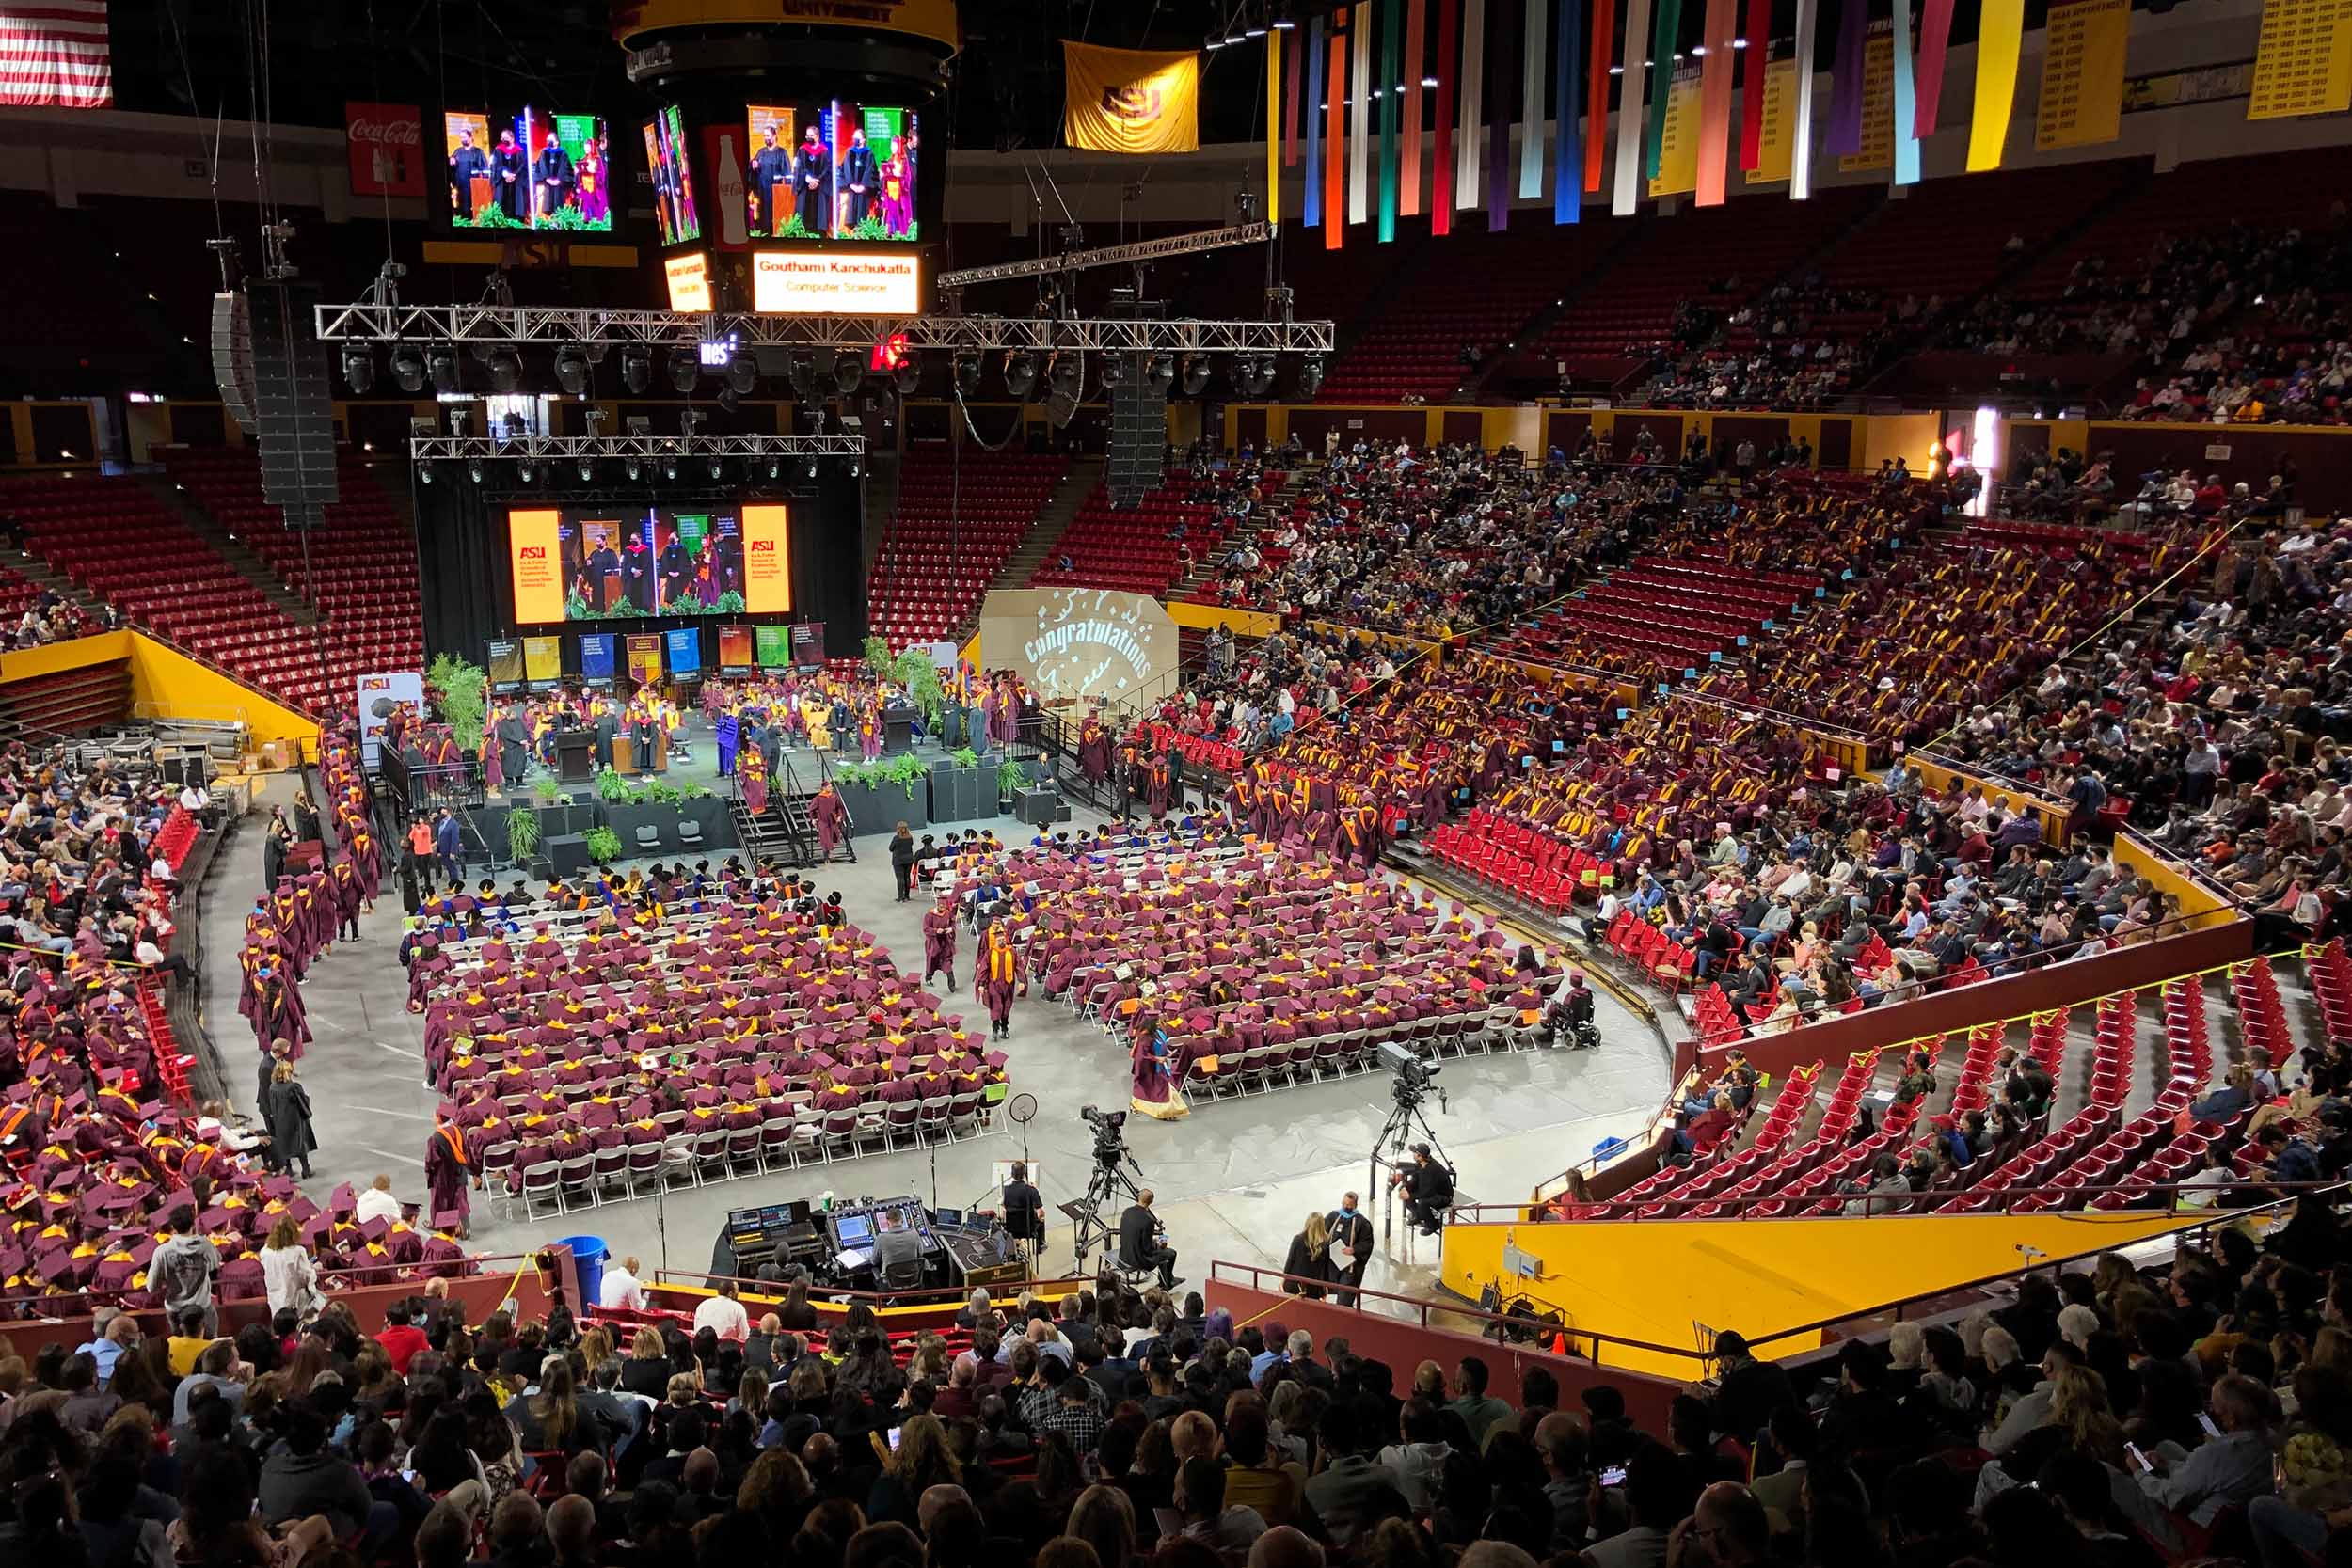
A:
{"x":507,"y":178}
{"x":857,"y":169}
{"x":551,"y":180}
{"x":465,"y":166}
{"x":771,"y":185}
{"x":514,"y":747}
{"x":636,"y":576}
{"x":608,"y":728}
{"x":812,"y":167}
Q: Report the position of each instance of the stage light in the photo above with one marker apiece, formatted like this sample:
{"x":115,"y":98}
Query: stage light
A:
{"x":1310,"y":375}
{"x":774,"y":467}
{"x":811,"y":467}
{"x":1241,"y":369}
{"x":727,"y":400}
{"x":408,"y":369}
{"x":1163,"y":372}
{"x":800,"y":368}
{"x":506,"y":370}
{"x":571,"y":371}
{"x":425,"y":473}
{"x":636,"y":470}
{"x":716,"y":468}
{"x":1196,"y":374}
{"x":685,"y":368}
{"x":743,"y":371}
{"x":528,"y":472}
{"x":473,"y":471}
{"x":1066,"y":374}
{"x":908,"y":372}
{"x":587,"y":471}
{"x":1214,"y":41}
{"x":669,"y":468}
{"x":1261,"y":376}
{"x":637,"y":368}
{"x":359,"y":368}
{"x":1019,"y":374}
{"x":855,"y":468}
{"x":442,"y":364}
{"x":967,"y":369}
{"x":847,"y":371}
{"x":1114,"y":372}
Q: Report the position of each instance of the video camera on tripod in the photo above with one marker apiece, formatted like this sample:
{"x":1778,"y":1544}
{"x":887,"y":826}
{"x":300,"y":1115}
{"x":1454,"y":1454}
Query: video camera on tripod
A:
{"x":1110,"y":1142}
{"x":1415,"y":1080}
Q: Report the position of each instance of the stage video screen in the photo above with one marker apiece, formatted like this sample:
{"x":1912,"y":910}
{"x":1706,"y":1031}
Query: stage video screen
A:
{"x":831,"y":171}
{"x":618,"y":562}
{"x":667,"y":156}
{"x":538,"y":169}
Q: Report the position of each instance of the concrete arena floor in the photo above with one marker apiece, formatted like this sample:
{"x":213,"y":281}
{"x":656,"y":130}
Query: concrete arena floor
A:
{"x":1233,"y":1181}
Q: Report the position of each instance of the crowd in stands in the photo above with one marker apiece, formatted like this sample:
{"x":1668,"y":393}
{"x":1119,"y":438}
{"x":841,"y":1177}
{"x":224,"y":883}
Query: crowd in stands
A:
{"x":1796,"y":347}
{"x":48,"y":618}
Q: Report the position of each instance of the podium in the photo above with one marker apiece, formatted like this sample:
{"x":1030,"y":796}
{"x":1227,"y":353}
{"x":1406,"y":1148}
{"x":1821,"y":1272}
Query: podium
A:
{"x":897,"y":732}
{"x":576,"y":754}
{"x":624,"y":754}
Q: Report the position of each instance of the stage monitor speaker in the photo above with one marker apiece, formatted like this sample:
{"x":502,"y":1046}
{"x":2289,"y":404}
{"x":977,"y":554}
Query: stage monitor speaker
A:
{"x":293,"y":412}
{"x":1139,"y":442}
{"x":570,"y":854}
{"x":1041,"y":808}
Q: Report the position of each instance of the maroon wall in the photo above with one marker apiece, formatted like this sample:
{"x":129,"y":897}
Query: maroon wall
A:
{"x":1564,"y":427}
{"x":1464,"y":425}
{"x":2324,"y":457}
{"x":1763,"y":429}
{"x":1835,"y":448}
{"x":1380,"y":424}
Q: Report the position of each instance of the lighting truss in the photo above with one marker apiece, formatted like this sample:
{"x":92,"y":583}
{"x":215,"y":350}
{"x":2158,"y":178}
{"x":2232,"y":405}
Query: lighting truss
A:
{"x":1110,"y":256}
{"x":561,"y":448}
{"x":552,"y":328}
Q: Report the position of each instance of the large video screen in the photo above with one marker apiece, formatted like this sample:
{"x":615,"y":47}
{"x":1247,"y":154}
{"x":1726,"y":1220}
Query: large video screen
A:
{"x":537,"y":170}
{"x":614,"y":562}
{"x":831,"y":171}
{"x":669,"y":158}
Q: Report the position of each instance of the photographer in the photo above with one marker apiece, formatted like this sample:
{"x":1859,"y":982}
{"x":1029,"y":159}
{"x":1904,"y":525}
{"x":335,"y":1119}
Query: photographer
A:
{"x":1428,"y":1189}
{"x":1140,"y":1242}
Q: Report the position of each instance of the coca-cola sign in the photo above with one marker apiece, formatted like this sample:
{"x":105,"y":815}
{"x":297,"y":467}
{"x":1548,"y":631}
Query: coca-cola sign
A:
{"x":387,"y":145}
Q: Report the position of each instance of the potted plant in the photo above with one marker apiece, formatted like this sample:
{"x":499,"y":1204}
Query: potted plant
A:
{"x":461,"y":693}
{"x":604,"y":845}
{"x":522,"y":834}
{"x":552,"y":809}
{"x":1012,"y":777}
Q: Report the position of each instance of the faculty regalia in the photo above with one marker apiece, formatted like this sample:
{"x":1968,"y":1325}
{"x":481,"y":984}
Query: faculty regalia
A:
{"x":447,"y":1173}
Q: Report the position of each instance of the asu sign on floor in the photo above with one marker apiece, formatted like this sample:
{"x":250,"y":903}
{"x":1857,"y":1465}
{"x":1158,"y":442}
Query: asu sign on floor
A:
{"x":1071,"y":643}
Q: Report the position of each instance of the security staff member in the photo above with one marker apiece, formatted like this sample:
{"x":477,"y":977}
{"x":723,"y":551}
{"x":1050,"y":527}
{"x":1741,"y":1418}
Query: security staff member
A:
{"x":1141,"y":1243}
{"x":1024,"y":1209}
{"x":1428,"y":1189}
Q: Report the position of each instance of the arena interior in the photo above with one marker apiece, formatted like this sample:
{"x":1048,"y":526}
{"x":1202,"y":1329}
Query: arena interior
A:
{"x":911,"y":784}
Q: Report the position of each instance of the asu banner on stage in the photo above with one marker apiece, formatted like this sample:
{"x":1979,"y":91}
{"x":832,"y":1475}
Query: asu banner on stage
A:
{"x":1134,"y":101}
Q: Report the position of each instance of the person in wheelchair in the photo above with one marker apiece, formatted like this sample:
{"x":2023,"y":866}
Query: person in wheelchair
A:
{"x":1570,"y":1013}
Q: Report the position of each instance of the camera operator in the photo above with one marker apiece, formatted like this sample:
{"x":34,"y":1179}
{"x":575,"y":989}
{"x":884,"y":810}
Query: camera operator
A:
{"x":1142,"y":1243}
{"x":1024,"y":1209}
{"x":1428,"y":1189}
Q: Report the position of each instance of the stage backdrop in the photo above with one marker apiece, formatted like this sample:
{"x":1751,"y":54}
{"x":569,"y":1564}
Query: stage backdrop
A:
{"x":1077,"y":643}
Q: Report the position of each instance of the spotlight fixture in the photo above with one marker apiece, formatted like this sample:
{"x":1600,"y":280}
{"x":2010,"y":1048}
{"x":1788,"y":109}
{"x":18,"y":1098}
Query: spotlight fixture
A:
{"x":1196,"y":374}
{"x":587,"y":471}
{"x":743,"y":371}
{"x":1261,"y":376}
{"x":637,"y":368}
{"x":441,"y":362}
{"x":473,"y":471}
{"x":1066,"y":374}
{"x":408,"y":369}
{"x":727,"y":398}
{"x":1114,"y":372}
{"x":527,"y":471}
{"x":716,"y":467}
{"x":359,"y":368}
{"x":773,"y":467}
{"x":685,"y":368}
{"x":967,"y":371}
{"x":1163,"y":372}
{"x":1284,"y":22}
{"x":1240,"y":370}
{"x":1214,"y":41}
{"x":811,"y":467}
{"x":506,"y":370}
{"x":1019,"y":374}
{"x":669,"y":468}
{"x":847,"y":371}
{"x":425,"y":473}
{"x":636,"y":470}
{"x":908,"y":372}
{"x":571,"y":371}
{"x":800,"y":368}
{"x":1310,"y":375}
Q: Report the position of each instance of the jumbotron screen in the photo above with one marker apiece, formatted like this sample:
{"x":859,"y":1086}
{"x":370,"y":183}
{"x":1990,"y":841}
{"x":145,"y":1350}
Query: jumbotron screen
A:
{"x":670,"y":162}
{"x":621,"y":563}
{"x":832,"y":170}
{"x":536,"y":169}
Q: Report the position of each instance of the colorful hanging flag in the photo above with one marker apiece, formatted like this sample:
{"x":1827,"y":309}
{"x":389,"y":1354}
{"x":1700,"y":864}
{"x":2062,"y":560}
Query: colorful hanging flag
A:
{"x":1777,"y":131}
{"x":1441,"y":149}
{"x":1472,"y":132}
{"x":1136,"y":102}
{"x":1630,"y":118}
{"x":1274,"y":125}
{"x":1293,"y":59}
{"x":1392,"y":102}
{"x":1597,"y":65}
{"x":1714,"y":150}
{"x":1408,"y":187}
{"x":1877,"y":151}
{"x":1499,"y":95}
{"x":1531,"y":65}
{"x":56,"y":55}
{"x":1335,"y":138}
{"x":1678,"y":149}
{"x":1568,"y":164}
{"x":1935,"y":38}
{"x":1662,"y":76}
{"x":1845,"y":82}
{"x":1360,"y":100}
{"x":2081,"y":102}
{"x":1310,"y":203}
{"x":1801,"y":133}
{"x":1757,"y":55}
{"x":2001,"y":34}
{"x":1906,"y":110}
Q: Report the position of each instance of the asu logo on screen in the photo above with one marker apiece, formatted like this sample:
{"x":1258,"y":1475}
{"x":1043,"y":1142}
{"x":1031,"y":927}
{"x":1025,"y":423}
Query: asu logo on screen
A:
{"x":1139,"y":103}
{"x":535,"y":536}
{"x":767,"y":559}
{"x":532,"y":552}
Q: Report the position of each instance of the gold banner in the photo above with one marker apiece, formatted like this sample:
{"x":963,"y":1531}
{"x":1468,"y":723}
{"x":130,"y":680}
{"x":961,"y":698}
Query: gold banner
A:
{"x":1131,"y":100}
{"x":2303,"y":63}
{"x":2082,"y":75}
{"x":543,"y":658}
{"x":1776,"y":143}
{"x":1678,"y":143}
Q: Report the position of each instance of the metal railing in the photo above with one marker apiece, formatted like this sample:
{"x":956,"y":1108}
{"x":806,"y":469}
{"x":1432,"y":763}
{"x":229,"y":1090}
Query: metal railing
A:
{"x":2168,"y":1198}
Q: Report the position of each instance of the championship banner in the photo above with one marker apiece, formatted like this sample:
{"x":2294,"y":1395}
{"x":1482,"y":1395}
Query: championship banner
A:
{"x":1359,"y":114}
{"x":1679,"y":144}
{"x":1776,"y":124}
{"x":644,"y":657}
{"x":1568,"y":164}
{"x":1408,"y":185}
{"x":735,"y":650}
{"x":385,"y":145}
{"x":1441,"y":143}
{"x":1532,"y":64}
{"x":1714,"y":153}
{"x":1754,"y":61}
{"x":1069,"y":643}
{"x":2081,"y":102}
{"x":595,"y":657}
{"x":2303,"y":59}
{"x":1848,"y":89}
{"x":1875,"y":148}
{"x":1596,"y":64}
{"x":1800,"y":124}
{"x":685,"y":647}
{"x":772,"y":645}
{"x":1136,"y":102}
{"x":1935,"y":38}
{"x":1666,"y":29}
{"x":1473,"y":100}
{"x":1310,"y":203}
{"x":543,"y":661}
{"x":1628,"y":194}
{"x":1999,"y":36}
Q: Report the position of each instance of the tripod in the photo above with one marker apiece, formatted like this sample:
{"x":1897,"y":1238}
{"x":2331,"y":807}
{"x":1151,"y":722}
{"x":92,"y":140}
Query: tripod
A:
{"x":1405,"y":1119}
{"x":1115,"y":1175}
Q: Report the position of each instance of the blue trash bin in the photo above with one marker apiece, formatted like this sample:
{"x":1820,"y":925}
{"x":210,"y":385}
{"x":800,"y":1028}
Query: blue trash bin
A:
{"x":588,"y":1255}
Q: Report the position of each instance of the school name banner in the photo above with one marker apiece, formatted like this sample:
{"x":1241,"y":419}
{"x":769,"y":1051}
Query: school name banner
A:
{"x":1130,"y":100}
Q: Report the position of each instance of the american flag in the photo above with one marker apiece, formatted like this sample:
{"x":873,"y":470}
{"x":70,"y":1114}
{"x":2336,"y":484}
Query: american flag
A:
{"x":53,"y":55}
